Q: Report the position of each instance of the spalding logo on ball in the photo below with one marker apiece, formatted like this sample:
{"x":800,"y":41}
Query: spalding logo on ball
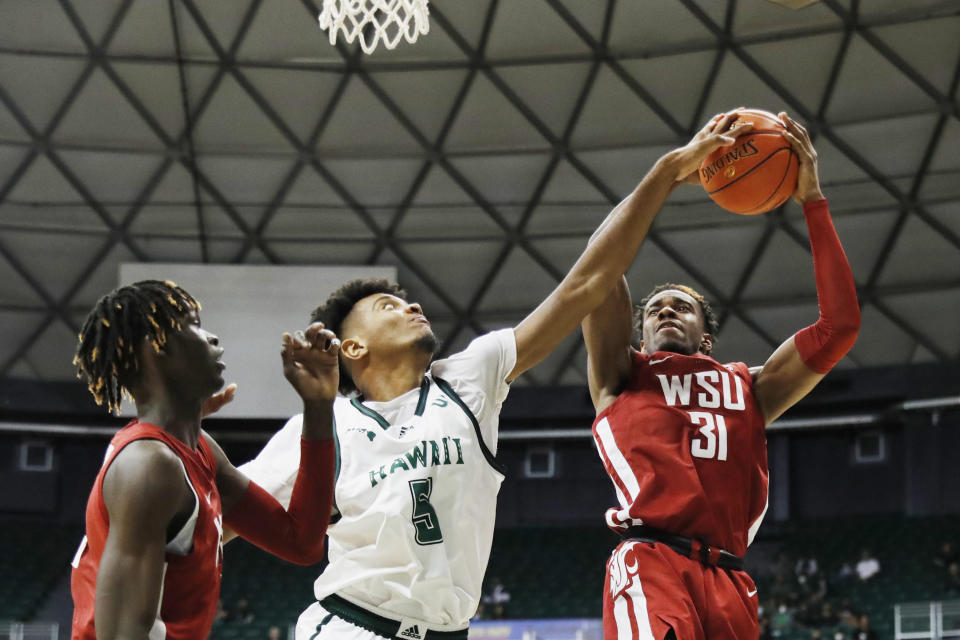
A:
{"x":755,"y":174}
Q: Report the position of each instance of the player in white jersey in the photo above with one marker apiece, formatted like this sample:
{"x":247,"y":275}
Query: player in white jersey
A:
{"x":417,"y":480}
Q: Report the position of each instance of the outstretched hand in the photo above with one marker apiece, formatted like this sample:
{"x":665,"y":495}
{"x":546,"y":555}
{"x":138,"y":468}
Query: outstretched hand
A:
{"x":722,"y":130}
{"x":808,"y":181}
{"x":310,"y":363}
{"x":216,"y":402}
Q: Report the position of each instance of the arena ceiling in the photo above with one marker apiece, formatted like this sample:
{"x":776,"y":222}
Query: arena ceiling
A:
{"x":478,"y":160}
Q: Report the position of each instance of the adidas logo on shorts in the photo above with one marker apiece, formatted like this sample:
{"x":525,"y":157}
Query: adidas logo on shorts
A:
{"x":412,"y":632}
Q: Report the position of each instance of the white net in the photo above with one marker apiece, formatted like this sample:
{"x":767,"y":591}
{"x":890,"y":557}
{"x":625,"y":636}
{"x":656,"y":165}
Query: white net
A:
{"x":375,"y":21}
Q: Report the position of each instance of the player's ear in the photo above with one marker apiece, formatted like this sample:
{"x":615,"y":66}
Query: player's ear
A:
{"x":706,"y":344}
{"x":352,"y":349}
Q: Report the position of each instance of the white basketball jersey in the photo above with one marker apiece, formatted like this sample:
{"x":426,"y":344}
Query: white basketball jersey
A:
{"x":416,"y":489}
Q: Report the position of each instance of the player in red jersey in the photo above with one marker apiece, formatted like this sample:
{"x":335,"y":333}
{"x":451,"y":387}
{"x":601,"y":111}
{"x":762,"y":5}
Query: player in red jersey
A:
{"x":150,"y":564}
{"x":682,"y":437}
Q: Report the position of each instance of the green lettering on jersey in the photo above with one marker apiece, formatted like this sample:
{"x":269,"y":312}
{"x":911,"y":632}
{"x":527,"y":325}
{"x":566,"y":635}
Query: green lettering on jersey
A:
{"x":440,"y":402}
{"x":418,"y":455}
{"x":434,"y":454}
{"x":456,"y":441}
{"x":398,"y":464}
{"x":446,"y":451}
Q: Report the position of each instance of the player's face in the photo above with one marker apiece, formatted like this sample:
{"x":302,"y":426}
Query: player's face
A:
{"x":192,"y":358}
{"x":672,"y":321}
{"x":385,"y":322}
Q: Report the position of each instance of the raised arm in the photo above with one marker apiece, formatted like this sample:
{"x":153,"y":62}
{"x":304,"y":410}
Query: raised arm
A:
{"x":801,"y":362}
{"x":145,"y":492}
{"x":296,"y":534}
{"x":613,"y":246}
{"x":606,"y":332}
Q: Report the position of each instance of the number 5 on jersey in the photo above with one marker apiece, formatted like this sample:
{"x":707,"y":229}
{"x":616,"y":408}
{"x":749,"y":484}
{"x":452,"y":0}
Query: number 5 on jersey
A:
{"x":424,"y":517}
{"x":712,"y":445}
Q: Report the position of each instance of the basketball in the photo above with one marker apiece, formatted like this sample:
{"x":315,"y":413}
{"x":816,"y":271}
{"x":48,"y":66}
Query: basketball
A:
{"x":755,"y":174}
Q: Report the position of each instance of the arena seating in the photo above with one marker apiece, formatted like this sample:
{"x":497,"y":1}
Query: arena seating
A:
{"x":33,"y":557}
{"x":550,"y":573}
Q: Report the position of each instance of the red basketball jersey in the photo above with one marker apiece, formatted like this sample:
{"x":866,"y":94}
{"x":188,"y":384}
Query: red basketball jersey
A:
{"x":193,"y":562}
{"x":685,"y":447}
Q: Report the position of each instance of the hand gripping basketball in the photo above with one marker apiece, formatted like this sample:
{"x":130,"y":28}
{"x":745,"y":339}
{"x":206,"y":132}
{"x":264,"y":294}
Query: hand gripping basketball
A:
{"x":758,"y":172}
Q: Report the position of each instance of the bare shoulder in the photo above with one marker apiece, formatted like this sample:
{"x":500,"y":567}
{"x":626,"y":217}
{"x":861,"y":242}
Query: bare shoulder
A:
{"x":146,"y":473}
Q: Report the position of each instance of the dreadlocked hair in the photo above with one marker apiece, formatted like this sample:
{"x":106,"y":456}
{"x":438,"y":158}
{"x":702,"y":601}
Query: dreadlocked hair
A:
{"x":108,"y":350}
{"x":710,"y":322}
{"x":340,"y":303}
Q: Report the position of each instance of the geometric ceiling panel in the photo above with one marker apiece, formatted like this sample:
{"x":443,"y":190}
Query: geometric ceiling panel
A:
{"x":362,"y":123}
{"x":866,"y":72}
{"x":234,"y":122}
{"x":113,"y":177}
{"x":460,"y":278}
{"x":47,"y":359}
{"x":784,"y":270}
{"x":222,"y":19}
{"x":569,"y":185}
{"x":534,"y":85}
{"x":531,"y":27}
{"x":42,"y":182}
{"x":802,"y":65}
{"x":605,"y":119}
{"x":906,"y":139}
{"x":157,"y":89}
{"x":737,"y":342}
{"x":477,"y":161}
{"x":132,"y":39}
{"x":863,"y":236}
{"x":736,"y":243}
{"x":734,"y":82}
{"x":923,"y":310}
{"x":688,"y":73}
{"x":519,"y":279}
{"x":300,"y":40}
{"x":247,"y":180}
{"x":448,"y":223}
{"x":764,"y":18}
{"x":881,"y":341}
{"x":488,"y":120}
{"x":644,"y":26}
{"x":42,"y":25}
{"x":85,"y":123}
{"x":40,"y":92}
{"x":425,"y":97}
{"x":912,"y":42}
{"x":946,"y":158}
{"x":96,"y":16}
{"x":921,"y":255}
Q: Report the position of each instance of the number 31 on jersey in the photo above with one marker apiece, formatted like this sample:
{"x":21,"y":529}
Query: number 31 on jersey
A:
{"x":713,"y":428}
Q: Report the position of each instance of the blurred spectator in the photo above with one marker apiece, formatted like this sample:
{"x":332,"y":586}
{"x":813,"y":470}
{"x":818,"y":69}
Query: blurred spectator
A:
{"x":481,"y":613}
{"x":765,"y":633}
{"x":240,"y":612}
{"x":839,"y":635}
{"x":221,"y":613}
{"x":273,"y":633}
{"x":845,"y":573}
{"x":816,"y":634}
{"x":807,"y":567}
{"x":863,"y":631}
{"x":497,"y":598}
{"x":946,"y":556}
{"x":951,"y":582}
{"x":783,"y":589}
{"x":782,"y":619}
{"x":868,"y":566}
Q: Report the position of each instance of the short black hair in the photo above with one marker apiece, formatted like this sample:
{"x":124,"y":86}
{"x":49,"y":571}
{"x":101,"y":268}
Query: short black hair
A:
{"x":340,"y":303}
{"x":710,"y":322}
{"x":108,"y":350}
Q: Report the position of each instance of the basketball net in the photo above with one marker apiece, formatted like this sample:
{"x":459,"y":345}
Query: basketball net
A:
{"x":374,"y":21}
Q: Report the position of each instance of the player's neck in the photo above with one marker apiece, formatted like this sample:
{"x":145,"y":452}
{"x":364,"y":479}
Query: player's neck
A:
{"x":385,"y":379}
{"x":180,"y":419}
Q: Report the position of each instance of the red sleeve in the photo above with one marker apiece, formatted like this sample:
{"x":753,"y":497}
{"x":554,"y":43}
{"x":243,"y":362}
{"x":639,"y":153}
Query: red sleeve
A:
{"x":823,"y":344}
{"x":297,"y":534}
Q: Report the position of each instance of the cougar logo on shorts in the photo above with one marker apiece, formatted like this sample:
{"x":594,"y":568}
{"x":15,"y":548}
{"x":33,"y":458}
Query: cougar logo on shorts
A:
{"x":623,"y":568}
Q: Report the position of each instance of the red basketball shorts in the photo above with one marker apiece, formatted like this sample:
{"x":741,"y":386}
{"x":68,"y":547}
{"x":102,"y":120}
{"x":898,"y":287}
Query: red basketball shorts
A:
{"x":651,"y":589}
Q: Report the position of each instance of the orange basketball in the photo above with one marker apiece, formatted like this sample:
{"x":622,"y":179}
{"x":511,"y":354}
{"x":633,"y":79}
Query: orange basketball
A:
{"x":757,"y":173}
